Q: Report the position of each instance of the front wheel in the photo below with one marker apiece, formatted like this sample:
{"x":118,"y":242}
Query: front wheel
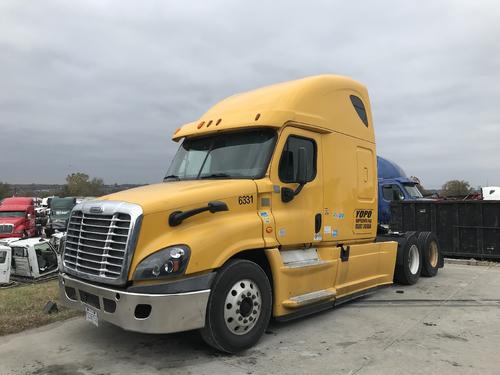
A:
{"x":239,"y":307}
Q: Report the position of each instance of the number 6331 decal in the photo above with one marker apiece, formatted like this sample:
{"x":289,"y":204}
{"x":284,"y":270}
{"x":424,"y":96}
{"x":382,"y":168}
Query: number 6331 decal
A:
{"x":245,"y":199}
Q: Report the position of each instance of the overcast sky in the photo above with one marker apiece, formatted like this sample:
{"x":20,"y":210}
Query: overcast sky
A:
{"x":99,"y":86}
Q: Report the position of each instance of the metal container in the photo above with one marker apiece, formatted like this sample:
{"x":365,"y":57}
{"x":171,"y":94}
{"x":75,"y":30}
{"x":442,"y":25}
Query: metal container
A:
{"x":464,"y":228}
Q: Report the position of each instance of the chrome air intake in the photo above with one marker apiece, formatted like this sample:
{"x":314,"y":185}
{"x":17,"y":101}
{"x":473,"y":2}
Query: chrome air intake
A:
{"x":101,"y":239}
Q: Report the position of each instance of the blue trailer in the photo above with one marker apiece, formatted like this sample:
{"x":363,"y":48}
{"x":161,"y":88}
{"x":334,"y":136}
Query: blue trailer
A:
{"x":393,"y":185}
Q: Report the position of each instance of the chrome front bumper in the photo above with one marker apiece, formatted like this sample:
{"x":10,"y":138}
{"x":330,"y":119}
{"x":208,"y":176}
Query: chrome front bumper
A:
{"x":167,"y":312}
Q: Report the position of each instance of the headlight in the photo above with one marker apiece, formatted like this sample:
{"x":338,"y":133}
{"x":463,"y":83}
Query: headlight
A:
{"x":170,"y":261}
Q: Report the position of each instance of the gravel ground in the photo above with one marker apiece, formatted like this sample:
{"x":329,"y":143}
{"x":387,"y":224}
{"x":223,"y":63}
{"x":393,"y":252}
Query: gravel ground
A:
{"x":449,"y":324}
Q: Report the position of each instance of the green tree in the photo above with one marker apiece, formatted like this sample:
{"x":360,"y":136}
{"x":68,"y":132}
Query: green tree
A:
{"x":5,"y":190}
{"x":456,"y":188}
{"x":79,"y":185}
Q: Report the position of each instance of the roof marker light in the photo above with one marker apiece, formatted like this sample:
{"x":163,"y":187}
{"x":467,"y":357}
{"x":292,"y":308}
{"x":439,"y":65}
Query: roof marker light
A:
{"x":257,"y":116}
{"x":218,"y":122}
{"x":201,"y":124}
{"x":209,"y":123}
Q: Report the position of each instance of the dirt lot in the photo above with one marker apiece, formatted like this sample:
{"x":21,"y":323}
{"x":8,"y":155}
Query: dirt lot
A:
{"x":446,"y":325}
{"x":21,"y":307}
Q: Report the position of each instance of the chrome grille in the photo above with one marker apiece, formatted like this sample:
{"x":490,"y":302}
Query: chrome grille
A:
{"x":6,"y":228}
{"x":96,"y":244}
{"x":100,"y":240}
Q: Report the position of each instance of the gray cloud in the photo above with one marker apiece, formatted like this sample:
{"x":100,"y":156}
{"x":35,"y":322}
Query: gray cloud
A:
{"x":99,"y":86}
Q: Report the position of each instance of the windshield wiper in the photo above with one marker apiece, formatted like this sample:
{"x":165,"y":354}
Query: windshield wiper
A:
{"x":216,"y":175}
{"x":171,"y":177}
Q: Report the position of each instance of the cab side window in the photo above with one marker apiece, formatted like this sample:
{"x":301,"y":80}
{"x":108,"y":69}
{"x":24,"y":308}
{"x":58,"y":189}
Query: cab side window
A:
{"x":392,"y":193}
{"x":289,"y":161}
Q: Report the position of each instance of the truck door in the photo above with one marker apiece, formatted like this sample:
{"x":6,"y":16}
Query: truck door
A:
{"x":299,"y":220}
{"x":5,"y":256}
{"x":21,"y":262}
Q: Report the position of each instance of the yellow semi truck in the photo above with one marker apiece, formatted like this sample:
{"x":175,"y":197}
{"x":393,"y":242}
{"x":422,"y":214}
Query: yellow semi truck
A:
{"x":268,"y":209}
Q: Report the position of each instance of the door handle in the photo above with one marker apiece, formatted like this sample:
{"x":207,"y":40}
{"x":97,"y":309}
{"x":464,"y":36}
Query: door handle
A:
{"x":344,"y":252}
{"x":317,"y":223}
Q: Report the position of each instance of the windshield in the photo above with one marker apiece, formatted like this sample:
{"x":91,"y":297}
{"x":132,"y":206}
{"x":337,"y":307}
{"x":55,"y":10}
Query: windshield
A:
{"x":12,"y":213}
{"x":243,"y":154}
{"x":413,"y":191}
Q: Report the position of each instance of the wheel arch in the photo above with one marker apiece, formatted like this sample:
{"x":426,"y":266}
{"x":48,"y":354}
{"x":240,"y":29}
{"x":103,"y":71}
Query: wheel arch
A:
{"x":259,"y":257}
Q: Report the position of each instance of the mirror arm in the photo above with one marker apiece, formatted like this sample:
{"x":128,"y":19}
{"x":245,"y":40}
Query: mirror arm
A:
{"x":288,"y":194}
{"x":177,"y":217}
{"x":299,"y":188}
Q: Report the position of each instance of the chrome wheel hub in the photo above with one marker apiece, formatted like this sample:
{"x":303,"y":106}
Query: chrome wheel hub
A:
{"x":242,"y":307}
{"x":413,"y":259}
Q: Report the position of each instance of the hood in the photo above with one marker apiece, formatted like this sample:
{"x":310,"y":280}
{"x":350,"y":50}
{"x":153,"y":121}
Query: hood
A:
{"x":12,"y":220}
{"x":177,"y":194}
{"x":13,"y":207}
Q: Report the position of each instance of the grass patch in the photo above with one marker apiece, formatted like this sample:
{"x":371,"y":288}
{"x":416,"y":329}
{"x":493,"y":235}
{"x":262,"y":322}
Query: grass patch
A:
{"x":22,"y":307}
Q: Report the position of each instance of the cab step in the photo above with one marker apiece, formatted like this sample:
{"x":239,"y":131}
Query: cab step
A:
{"x":309,"y":298}
{"x":306,"y":263}
{"x":301,"y":258}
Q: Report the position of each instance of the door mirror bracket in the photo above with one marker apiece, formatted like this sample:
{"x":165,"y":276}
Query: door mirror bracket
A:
{"x":288,"y":194}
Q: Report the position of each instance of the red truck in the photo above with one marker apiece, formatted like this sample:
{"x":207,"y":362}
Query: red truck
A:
{"x":17,"y":217}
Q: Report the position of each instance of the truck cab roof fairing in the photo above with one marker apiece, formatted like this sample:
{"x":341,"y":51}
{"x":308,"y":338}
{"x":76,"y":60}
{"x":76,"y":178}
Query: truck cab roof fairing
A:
{"x":320,"y":103}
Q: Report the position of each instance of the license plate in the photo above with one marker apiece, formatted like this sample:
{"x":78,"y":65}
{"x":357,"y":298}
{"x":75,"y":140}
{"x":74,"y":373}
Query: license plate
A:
{"x":91,"y":316}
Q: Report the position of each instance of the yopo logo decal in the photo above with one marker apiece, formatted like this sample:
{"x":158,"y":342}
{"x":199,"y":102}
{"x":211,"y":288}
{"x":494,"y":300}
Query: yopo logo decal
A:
{"x":363,"y":219}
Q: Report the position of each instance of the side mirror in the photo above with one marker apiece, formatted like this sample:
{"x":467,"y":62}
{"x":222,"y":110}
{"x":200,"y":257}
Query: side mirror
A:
{"x":302,"y":166}
{"x":288,"y":194}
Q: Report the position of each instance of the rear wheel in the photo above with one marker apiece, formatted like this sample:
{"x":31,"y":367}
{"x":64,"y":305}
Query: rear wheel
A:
{"x":428,"y":244}
{"x":408,"y":271}
{"x":239,"y":307}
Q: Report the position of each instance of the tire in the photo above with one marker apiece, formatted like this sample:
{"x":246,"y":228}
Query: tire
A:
{"x":407,"y":272}
{"x":240,"y":284}
{"x":429,"y":246}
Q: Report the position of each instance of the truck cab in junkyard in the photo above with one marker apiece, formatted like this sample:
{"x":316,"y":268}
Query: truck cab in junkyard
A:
{"x":33,"y":258}
{"x":17,"y":217}
{"x":60,"y":209}
{"x":5,"y":264}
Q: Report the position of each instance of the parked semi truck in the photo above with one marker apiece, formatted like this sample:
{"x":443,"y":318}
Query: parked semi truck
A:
{"x":17,"y":217}
{"x":393,"y":185}
{"x":60,"y":209}
{"x":268,"y":209}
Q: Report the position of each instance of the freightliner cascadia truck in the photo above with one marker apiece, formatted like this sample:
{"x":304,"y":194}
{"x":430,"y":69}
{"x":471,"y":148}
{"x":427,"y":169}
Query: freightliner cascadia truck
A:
{"x":268,"y":210}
